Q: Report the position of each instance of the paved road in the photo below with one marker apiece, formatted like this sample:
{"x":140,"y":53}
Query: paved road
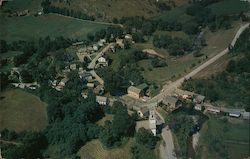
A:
{"x":167,"y":151}
{"x":168,"y":89}
{"x":167,"y":148}
{"x":93,"y":62}
{"x":98,"y":78}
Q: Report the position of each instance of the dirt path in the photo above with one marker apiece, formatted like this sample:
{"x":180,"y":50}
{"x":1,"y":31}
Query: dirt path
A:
{"x":90,"y":21}
{"x":167,"y":147}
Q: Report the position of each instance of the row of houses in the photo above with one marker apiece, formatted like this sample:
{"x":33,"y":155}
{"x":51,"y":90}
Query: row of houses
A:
{"x":32,"y":86}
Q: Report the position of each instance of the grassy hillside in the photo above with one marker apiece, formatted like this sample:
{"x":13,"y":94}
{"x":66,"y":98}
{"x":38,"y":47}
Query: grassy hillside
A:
{"x":95,"y":150}
{"x":233,"y":133}
{"x":108,"y":9}
{"x":20,"y":110}
{"x":30,"y":27}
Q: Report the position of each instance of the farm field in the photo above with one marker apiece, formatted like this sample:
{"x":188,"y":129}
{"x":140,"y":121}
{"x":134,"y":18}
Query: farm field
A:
{"x":234,"y":133}
{"x":32,"y":28}
{"x":20,"y":111}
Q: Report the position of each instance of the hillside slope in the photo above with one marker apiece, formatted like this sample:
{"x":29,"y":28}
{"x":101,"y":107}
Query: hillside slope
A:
{"x":108,"y":9}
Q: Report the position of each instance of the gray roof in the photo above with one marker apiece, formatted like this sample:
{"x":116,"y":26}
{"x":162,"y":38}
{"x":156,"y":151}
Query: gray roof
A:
{"x":144,"y":110}
{"x":65,"y":80}
{"x":134,"y":89}
{"x":170,"y":100}
{"x":200,"y":97}
{"x":246,"y":115}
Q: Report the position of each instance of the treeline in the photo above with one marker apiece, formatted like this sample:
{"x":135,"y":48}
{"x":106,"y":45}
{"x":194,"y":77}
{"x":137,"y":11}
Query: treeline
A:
{"x":231,"y":85}
{"x":48,"y":8}
{"x":175,"y":46}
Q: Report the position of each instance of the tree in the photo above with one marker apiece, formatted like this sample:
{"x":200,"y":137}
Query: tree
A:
{"x":3,"y":46}
{"x":146,"y":138}
{"x":191,"y":28}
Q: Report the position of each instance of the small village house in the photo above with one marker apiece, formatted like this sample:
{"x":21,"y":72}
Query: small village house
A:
{"x":63,"y":81}
{"x":128,"y":37}
{"x":198,"y":107}
{"x":72,"y":66}
{"x":213,"y":110}
{"x":234,"y":114}
{"x":246,"y":116}
{"x":172,"y":103}
{"x":120,"y":43}
{"x":144,"y":87}
{"x":95,"y":47}
{"x":102,"y":61}
{"x":90,"y":85}
{"x":135,"y":92}
{"x":143,"y":112}
{"x":199,"y":99}
{"x":102,"y":100}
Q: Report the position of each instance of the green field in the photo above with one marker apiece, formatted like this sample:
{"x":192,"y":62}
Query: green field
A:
{"x":30,"y":27}
{"x":236,"y":137}
{"x":228,"y":7}
{"x":20,"y":111}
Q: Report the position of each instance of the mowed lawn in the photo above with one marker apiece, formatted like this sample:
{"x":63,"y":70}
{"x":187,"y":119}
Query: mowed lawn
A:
{"x":31,"y":27}
{"x":20,"y":110}
{"x":236,"y":137}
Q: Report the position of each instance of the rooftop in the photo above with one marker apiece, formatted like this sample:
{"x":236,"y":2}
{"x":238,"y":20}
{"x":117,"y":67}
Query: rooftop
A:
{"x":134,"y":89}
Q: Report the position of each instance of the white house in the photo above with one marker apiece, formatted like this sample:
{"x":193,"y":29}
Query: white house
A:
{"x":102,"y":100}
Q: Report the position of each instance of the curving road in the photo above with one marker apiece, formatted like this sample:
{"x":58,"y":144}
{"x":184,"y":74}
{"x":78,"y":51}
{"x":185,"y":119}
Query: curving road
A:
{"x":167,"y":149}
{"x":168,"y":89}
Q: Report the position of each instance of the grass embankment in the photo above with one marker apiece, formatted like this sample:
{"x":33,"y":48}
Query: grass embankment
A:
{"x":234,"y":133}
{"x":20,"y":111}
{"x":32,"y":28}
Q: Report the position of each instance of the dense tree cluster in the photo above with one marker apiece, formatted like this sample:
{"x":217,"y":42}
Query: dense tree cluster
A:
{"x":25,"y":144}
{"x":156,"y":62}
{"x":175,"y":46}
{"x":121,"y":126}
{"x":182,"y":125}
{"x":204,"y":17}
{"x":146,"y":138}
